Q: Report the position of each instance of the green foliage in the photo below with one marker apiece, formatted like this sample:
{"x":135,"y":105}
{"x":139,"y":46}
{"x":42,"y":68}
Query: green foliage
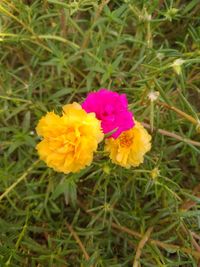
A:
{"x":53,"y":52}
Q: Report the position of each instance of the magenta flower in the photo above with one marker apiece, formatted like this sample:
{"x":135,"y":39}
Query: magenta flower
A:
{"x":112,"y":109}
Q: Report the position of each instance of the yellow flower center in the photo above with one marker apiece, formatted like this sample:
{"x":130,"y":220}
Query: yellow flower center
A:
{"x":126,"y":139}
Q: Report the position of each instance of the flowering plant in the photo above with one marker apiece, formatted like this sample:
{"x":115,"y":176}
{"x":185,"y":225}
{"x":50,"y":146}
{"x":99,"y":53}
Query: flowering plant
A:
{"x":69,"y":141}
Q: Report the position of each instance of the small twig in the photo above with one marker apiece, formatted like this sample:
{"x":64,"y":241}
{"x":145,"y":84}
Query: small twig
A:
{"x":99,"y":10}
{"x":195,"y":235}
{"x":135,"y":234}
{"x":193,"y":241}
{"x":141,"y":244}
{"x":23,"y":24}
{"x":7,"y":191}
{"x":188,"y":232}
{"x":159,"y":7}
{"x":63,"y":23}
{"x":173,"y":135}
{"x":76,"y":237}
{"x":188,"y":204}
{"x":16,"y":99}
{"x":180,"y":112}
{"x":157,"y":242}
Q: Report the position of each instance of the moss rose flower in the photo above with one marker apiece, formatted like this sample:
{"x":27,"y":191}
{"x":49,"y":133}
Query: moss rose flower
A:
{"x":70,"y":140}
{"x":112,"y":109}
{"x":130,"y":147}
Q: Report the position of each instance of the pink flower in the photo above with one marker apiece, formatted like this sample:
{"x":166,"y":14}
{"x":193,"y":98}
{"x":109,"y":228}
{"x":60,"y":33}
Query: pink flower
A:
{"x":112,"y":109}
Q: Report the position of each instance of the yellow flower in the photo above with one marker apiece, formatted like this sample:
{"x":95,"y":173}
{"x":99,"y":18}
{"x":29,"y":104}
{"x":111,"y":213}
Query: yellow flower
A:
{"x":70,"y":140}
{"x":130,"y":147}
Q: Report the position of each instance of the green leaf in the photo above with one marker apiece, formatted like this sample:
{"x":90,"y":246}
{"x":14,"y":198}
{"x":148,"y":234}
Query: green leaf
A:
{"x":70,"y":192}
{"x":26,"y":121}
{"x":190,"y":6}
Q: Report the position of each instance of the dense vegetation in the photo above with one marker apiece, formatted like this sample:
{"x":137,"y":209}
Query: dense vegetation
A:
{"x":54,"y":52}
